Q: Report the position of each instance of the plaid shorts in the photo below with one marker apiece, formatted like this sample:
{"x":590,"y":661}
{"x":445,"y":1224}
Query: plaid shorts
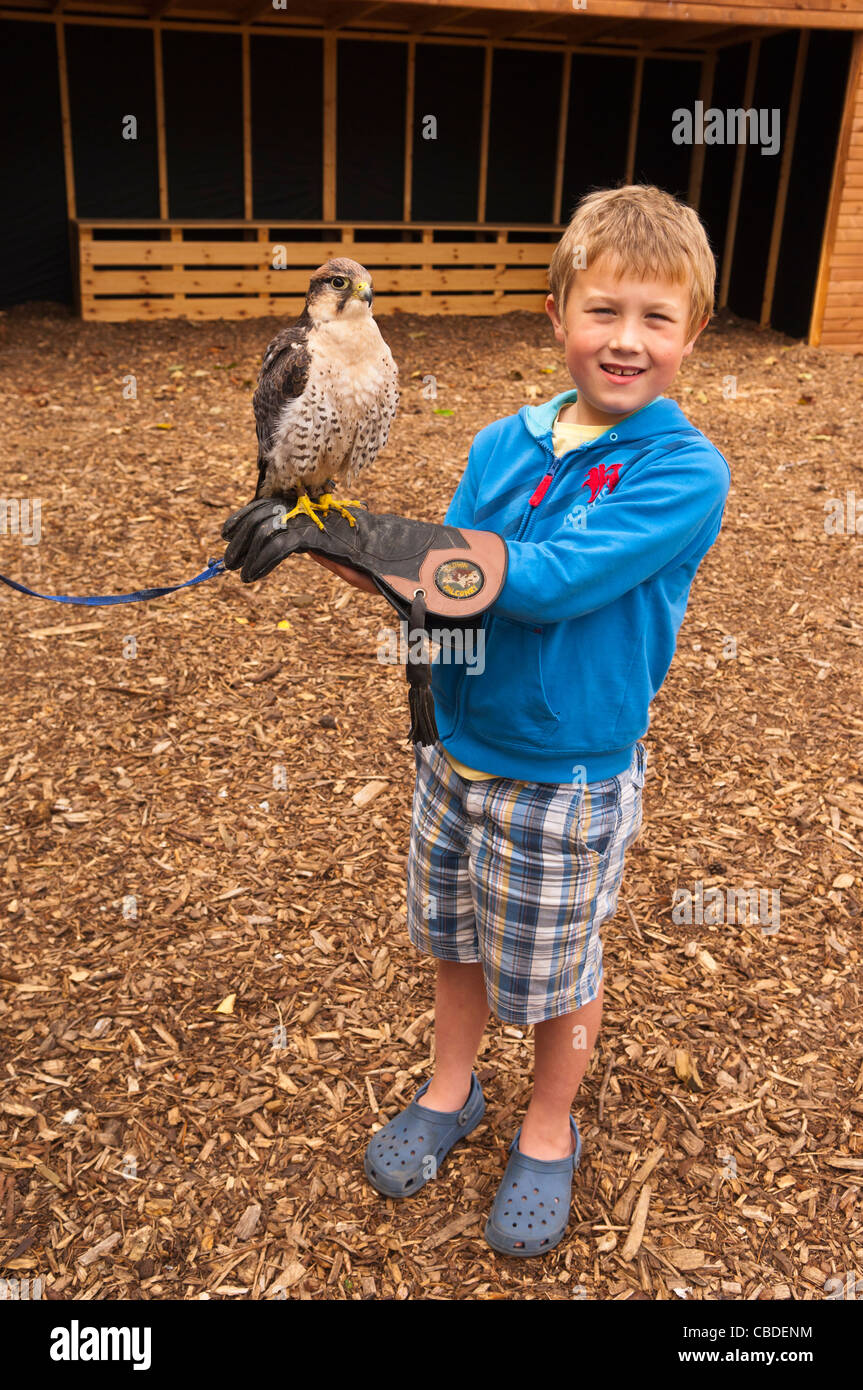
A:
{"x":520,"y":876}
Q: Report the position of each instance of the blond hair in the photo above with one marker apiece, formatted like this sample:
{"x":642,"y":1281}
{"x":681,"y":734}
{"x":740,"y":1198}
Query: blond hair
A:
{"x":640,"y":230}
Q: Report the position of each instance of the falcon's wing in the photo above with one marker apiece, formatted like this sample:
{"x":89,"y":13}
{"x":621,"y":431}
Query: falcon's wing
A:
{"x":283,"y":376}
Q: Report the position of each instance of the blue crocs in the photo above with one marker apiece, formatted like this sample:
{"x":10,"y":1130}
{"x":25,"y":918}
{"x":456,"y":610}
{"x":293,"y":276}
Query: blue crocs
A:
{"x":532,"y":1202}
{"x":410,"y":1148}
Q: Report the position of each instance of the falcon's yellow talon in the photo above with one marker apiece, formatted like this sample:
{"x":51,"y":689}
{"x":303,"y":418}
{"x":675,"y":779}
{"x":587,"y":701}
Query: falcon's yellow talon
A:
{"x":328,"y":501}
{"x":304,"y":507}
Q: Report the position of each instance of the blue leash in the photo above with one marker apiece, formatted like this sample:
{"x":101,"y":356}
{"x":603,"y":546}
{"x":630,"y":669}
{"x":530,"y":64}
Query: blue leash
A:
{"x":214,"y":567}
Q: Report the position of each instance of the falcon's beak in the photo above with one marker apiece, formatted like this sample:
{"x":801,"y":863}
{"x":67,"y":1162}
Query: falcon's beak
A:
{"x":363,"y":291}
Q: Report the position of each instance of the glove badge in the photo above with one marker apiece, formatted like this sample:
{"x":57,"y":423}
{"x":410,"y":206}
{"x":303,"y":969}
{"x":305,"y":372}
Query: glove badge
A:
{"x":459,"y":579}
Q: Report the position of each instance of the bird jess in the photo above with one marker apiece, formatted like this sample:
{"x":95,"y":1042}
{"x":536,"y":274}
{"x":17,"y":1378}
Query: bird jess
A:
{"x":327,"y":394}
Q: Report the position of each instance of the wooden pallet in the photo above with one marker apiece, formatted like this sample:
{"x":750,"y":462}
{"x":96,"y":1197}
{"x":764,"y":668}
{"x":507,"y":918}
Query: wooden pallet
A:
{"x":171,"y":269}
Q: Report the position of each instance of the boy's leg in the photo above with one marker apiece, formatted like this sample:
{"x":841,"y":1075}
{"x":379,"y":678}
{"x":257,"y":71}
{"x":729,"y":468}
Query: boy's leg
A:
{"x":461,"y":1013}
{"x":562,"y":1048}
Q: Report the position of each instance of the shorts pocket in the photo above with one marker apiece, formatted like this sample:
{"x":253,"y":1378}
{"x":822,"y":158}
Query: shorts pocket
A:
{"x":640,"y":768}
{"x":599,"y":818}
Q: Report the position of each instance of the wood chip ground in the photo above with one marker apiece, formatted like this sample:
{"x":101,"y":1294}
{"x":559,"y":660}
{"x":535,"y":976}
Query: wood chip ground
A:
{"x":208,"y":1000}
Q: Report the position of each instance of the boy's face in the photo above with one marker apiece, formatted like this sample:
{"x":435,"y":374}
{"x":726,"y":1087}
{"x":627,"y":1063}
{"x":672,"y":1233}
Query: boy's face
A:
{"x":623,"y":323}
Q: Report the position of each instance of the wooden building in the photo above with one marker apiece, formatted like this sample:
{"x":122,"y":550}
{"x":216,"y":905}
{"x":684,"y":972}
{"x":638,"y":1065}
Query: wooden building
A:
{"x":198,"y":157}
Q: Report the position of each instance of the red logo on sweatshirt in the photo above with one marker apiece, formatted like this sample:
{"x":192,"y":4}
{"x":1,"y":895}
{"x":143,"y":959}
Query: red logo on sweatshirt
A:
{"x":600,"y":477}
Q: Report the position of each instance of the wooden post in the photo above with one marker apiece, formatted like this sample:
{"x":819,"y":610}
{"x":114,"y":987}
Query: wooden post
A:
{"x":409,"y":131}
{"x":633,"y":117}
{"x":425,"y":295}
{"x":68,"y":160}
{"x":77,"y":236}
{"x":696,"y":168}
{"x":784,"y":176}
{"x":330,"y":98}
{"x":562,"y":123}
{"x":179,"y":297}
{"x":500,"y":269}
{"x":247,"y":126}
{"x":265,"y":243}
{"x":737,"y":180}
{"x":159,"y":84}
{"x":840,"y":163}
{"x":483,"y":139}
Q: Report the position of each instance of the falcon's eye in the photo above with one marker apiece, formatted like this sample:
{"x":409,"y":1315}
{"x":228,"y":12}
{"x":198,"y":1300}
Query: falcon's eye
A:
{"x":339,"y":282}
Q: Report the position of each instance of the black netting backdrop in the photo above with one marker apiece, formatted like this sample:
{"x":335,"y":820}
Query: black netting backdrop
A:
{"x":110,"y":79}
{"x":34,"y":238}
{"x":728,"y":85}
{"x":597,"y":128}
{"x":204,"y":123}
{"x":372,"y":90}
{"x":525,"y":99}
{"x":818,"y":126}
{"x":287,"y":127}
{"x":448,"y":87}
{"x":761,"y":178}
{"x":667,"y":86}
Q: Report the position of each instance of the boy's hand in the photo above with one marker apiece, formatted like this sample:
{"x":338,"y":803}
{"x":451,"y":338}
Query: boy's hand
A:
{"x":355,"y":577}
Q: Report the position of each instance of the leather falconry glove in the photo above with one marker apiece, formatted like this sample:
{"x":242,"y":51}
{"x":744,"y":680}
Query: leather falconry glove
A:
{"x":424,"y":571}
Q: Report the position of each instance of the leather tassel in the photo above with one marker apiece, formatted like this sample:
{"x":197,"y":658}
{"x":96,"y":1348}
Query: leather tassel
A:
{"x":418,"y":670}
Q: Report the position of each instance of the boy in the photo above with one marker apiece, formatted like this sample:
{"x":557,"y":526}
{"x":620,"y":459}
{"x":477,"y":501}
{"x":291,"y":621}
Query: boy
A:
{"x":608,"y":498}
{"x":517,"y":851}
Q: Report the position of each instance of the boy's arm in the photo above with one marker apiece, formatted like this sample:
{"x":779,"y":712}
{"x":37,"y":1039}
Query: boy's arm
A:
{"x":630,"y":537}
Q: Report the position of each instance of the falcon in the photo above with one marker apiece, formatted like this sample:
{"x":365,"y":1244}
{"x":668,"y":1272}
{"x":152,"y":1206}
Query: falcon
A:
{"x":326,"y":396}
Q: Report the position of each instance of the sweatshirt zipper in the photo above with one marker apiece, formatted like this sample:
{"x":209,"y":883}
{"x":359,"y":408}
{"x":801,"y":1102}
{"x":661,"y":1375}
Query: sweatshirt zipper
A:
{"x":545,"y":482}
{"x":541,"y":490}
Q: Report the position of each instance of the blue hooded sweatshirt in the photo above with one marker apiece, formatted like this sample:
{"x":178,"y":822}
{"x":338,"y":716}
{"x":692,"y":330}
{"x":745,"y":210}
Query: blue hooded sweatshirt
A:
{"x":602,"y":547}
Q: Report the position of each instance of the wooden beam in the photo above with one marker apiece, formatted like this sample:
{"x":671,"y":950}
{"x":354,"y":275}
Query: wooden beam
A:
{"x":633,"y":118}
{"x":161,"y":147}
{"x":792,"y":14}
{"x":311,"y":224}
{"x":737,"y":181}
{"x":426,"y":26}
{"x":330,"y":99}
{"x":513,"y":26}
{"x":562,"y":124}
{"x":290,"y":30}
{"x":409,"y":131}
{"x":784,"y":176}
{"x":814,"y":14}
{"x":696,"y":167}
{"x":248,"y":13}
{"x":837,"y":188}
{"x":247,"y":126}
{"x":66,"y":117}
{"x":390,"y":248}
{"x":745,"y":34}
{"x":352,"y":14}
{"x":484,"y":134}
{"x":603,"y":32}
{"x":678,"y":35}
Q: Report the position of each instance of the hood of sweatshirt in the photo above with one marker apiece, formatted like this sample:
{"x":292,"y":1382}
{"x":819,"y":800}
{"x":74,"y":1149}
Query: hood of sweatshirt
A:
{"x":660,"y":416}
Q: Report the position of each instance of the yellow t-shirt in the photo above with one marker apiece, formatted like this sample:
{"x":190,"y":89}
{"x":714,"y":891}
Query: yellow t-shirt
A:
{"x":564,"y":436}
